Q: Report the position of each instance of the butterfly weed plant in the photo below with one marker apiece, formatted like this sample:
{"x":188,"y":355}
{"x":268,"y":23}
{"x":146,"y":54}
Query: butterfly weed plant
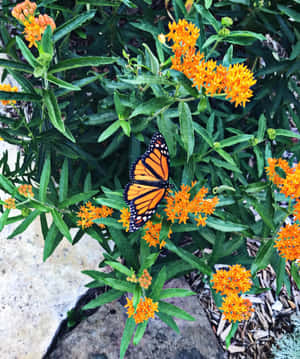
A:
{"x":162,"y":134}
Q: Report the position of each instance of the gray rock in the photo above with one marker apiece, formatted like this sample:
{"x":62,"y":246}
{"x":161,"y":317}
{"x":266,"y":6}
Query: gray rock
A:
{"x":99,"y":336}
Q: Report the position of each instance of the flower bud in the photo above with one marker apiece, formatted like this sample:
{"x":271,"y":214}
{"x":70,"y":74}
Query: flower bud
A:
{"x":224,"y":32}
{"x":226,"y":21}
{"x":271,"y":133}
{"x":161,"y":38}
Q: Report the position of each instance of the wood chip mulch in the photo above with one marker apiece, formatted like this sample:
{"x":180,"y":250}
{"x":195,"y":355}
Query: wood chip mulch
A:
{"x":269,"y":322}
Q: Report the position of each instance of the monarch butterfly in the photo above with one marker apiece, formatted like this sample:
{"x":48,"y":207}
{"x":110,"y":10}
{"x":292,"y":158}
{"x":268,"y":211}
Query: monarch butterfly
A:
{"x":149,"y":181}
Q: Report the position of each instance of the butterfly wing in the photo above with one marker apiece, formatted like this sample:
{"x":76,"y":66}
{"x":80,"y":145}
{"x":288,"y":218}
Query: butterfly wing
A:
{"x":143,"y":200}
{"x":149,"y":176}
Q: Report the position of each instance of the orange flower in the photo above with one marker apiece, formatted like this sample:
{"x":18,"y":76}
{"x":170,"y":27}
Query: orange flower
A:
{"x":234,"y":82}
{"x":152,"y":234}
{"x":274,"y":163}
{"x":238,"y":81}
{"x":145,"y":309}
{"x":125,"y":218}
{"x":288,"y":241}
{"x":26,"y":190}
{"x":8,"y":88}
{"x":89,"y":213}
{"x":35,"y":27}
{"x":297,"y":210}
{"x":179,"y":206}
{"x":236,"y":309}
{"x":235,"y":280}
{"x":132,"y":279}
{"x":10,"y":203}
{"x":291,"y":183}
{"x":24,"y":10}
{"x":145,"y":279}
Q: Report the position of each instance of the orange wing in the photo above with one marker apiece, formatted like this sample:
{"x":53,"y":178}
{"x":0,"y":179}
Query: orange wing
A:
{"x":143,"y":200}
{"x":149,"y":181}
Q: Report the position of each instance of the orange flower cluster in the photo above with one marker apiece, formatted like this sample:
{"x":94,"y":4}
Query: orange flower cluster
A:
{"x":179,"y":206}
{"x":8,"y":88}
{"x":10,"y":203}
{"x":89,"y":213}
{"x":236,"y":308}
{"x":145,"y":309}
{"x":288,"y":242}
{"x":125,"y":218}
{"x":26,"y":190}
{"x":145,"y":279}
{"x":34,"y":26}
{"x":23,"y":10}
{"x":152,"y":233}
{"x":234,"y":82}
{"x":231,"y":283}
{"x":132,"y":279}
{"x":235,"y":280}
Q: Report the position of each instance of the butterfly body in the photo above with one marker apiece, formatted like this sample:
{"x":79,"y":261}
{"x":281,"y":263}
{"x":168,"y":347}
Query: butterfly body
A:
{"x":149,"y":181}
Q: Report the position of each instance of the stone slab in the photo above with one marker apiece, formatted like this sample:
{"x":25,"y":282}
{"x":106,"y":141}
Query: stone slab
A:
{"x":99,"y":336}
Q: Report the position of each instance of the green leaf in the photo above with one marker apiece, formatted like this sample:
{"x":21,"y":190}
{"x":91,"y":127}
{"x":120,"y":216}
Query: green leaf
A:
{"x":126,"y":127}
{"x":154,"y":64}
{"x":158,"y":283}
{"x":14,"y":65}
{"x":259,"y":160}
{"x":63,"y":181}
{"x":223,"y":226}
{"x":295,"y":274}
{"x":72,"y":24}
{"x":186,"y":128}
{"x":169,"y":321}
{"x":3,"y":218}
{"x":119,"y":284}
{"x":207,"y":4}
{"x":19,"y":96}
{"x":152,"y":106}
{"x":62,"y":83}
{"x":52,"y":240}
{"x":148,"y":79}
{"x":47,"y":41}
{"x":263,"y":210}
{"x":128,"y":252}
{"x":27,"y":53}
{"x":174,"y":311}
{"x":109,"y":131}
{"x":45,"y":178}
{"x":287,"y":133}
{"x":127,"y":334}
{"x":140,"y":330}
{"x":61,"y":225}
{"x":188,"y":257}
{"x":81,"y":62}
{"x":231,"y":334}
{"x":227,"y":157}
{"x":175,"y":292}
{"x":55,"y":114}
{"x":27,"y":221}
{"x":203,"y":133}
{"x":263,"y":256}
{"x":230,"y":141}
{"x":76,"y":198}
{"x":6,"y":185}
{"x":262,"y":125}
{"x":102,"y":299}
{"x":149,"y":261}
{"x":295,"y":15}
{"x":119,"y":267}
{"x":250,"y":34}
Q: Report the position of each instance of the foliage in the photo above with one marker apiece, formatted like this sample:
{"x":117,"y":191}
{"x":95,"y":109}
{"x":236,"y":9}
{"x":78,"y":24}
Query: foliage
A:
{"x":92,"y":93}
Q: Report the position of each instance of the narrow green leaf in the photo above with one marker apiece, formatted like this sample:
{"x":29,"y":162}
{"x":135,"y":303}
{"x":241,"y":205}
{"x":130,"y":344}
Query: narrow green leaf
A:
{"x":76,"y":198}
{"x":6,"y":184}
{"x":287,"y":133}
{"x":19,"y":96}
{"x":81,"y":62}
{"x":127,"y":335}
{"x":61,"y":225}
{"x":262,"y":126}
{"x":186,"y":128}
{"x":63,"y":181}
{"x":119,"y":284}
{"x":158,"y":284}
{"x":62,"y":83}
{"x":231,"y":333}
{"x":174,"y":311}
{"x":102,"y":299}
{"x":24,"y":225}
{"x":223,"y":226}
{"x":263,"y":256}
{"x":128,"y":252}
{"x":72,"y":24}
{"x":295,"y":274}
{"x":15,"y":65}
{"x":45,"y":178}
{"x":295,"y":15}
{"x":47,"y":41}
{"x":52,"y":240}
{"x":140,"y":330}
{"x":203,"y":133}
{"x":175,"y":292}
{"x":151,"y":106}
{"x":3,"y":218}
{"x":259,"y":160}
{"x":109,"y":131}
{"x":230,"y":141}
{"x":27,"y":53}
{"x":119,"y":267}
{"x":149,"y":261}
{"x":154,"y":64}
{"x":169,"y":321}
